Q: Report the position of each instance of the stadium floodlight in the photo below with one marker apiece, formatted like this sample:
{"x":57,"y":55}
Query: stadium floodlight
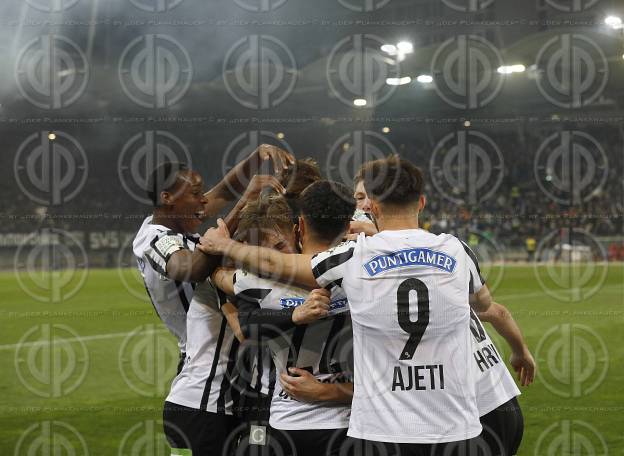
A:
{"x":405,"y":47}
{"x":467,"y":124}
{"x":615,"y":22}
{"x":389,"y":49}
{"x":425,"y":79}
{"x":359,"y":102}
{"x":51,"y":136}
{"x":386,"y":129}
{"x":280,"y":135}
{"x":509,"y":69}
{"x":398,"y":81}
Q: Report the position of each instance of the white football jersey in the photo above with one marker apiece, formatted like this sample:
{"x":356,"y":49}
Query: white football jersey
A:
{"x":323,"y":348}
{"x":205,"y":381}
{"x":153,"y":245}
{"x":414,"y":373}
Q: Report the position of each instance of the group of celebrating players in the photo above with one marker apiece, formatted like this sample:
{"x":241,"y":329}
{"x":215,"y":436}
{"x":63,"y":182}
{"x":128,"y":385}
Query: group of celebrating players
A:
{"x":329,"y":323}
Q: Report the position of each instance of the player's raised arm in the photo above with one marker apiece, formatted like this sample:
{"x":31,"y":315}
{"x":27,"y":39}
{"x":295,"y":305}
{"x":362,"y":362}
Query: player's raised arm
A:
{"x":305,"y":387}
{"x":521,"y":359}
{"x":262,"y":261}
{"x":235,"y":181}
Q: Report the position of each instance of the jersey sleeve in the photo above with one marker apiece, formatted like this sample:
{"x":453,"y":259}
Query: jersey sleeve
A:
{"x":161,"y":247}
{"x":329,"y":267}
{"x":476,"y":279}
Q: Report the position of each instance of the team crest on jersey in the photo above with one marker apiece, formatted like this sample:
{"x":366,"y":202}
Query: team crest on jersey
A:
{"x":408,"y":258}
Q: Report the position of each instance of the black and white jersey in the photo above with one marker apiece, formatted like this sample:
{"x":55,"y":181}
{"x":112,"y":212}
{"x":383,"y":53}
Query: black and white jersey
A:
{"x":206,"y":379}
{"x":323,"y":348}
{"x":414,"y":373}
{"x":495,"y":384}
{"x":153,"y":245}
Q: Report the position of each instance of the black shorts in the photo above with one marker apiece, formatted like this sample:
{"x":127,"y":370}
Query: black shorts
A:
{"x":252,"y":410}
{"x":318,"y":442}
{"x":503,"y":428}
{"x":471,"y":447}
{"x":205,"y":433}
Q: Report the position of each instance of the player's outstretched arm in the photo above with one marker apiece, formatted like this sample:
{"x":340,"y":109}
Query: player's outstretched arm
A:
{"x":521,"y":359}
{"x":481,"y":301}
{"x":235,"y":180}
{"x":284,"y":267}
{"x":305,"y":387}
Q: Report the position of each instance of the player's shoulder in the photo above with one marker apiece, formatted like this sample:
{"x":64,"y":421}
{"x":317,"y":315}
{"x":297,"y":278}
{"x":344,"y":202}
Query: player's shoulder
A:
{"x":152,"y":236}
{"x":344,"y":248}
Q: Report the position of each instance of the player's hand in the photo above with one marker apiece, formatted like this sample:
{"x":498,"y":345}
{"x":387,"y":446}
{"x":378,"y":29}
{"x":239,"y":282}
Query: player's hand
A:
{"x":258,"y":183}
{"x":524,"y":365}
{"x":315,"y":306}
{"x":215,"y":240}
{"x":301,"y":385}
{"x":280,"y":158}
{"x":359,"y":226}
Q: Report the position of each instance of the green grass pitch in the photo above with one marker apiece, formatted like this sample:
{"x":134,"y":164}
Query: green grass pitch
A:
{"x":90,"y":370}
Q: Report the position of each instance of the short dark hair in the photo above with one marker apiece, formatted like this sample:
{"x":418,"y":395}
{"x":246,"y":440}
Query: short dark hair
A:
{"x":162,"y":179}
{"x":296,"y":178}
{"x":327,"y":208}
{"x":392,"y":180}
{"x":267,"y":213}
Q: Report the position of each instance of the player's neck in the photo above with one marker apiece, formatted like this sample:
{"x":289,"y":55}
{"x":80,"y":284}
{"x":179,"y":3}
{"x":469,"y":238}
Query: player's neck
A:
{"x":161,"y":218}
{"x":398,"y":222}
{"x":313,"y":246}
